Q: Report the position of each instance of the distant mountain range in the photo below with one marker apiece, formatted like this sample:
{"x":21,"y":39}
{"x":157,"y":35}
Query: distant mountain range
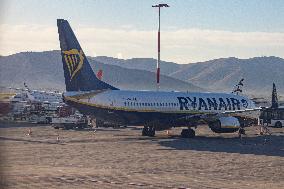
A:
{"x":44,"y":70}
{"x":219,"y":74}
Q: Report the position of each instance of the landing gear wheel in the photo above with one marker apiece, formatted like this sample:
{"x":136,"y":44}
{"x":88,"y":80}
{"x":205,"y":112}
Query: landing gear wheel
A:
{"x":144,"y":132}
{"x":152,"y":131}
{"x":242,"y":131}
{"x":187,"y":133}
{"x":148,"y":131}
{"x":278,"y":124}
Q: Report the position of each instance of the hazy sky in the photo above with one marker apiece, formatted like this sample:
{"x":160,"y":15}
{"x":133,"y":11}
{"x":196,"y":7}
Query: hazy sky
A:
{"x":192,"y":30}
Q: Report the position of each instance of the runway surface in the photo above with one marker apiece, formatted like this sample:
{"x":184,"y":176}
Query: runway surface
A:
{"x":122,"y":158}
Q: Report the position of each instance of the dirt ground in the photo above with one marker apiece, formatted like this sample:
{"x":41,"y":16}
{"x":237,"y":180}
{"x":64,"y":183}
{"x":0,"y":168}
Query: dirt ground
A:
{"x":122,"y":158}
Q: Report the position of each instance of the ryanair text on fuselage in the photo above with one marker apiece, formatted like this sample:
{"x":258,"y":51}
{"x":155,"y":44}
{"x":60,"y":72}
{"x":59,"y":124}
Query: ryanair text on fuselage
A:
{"x":199,"y":103}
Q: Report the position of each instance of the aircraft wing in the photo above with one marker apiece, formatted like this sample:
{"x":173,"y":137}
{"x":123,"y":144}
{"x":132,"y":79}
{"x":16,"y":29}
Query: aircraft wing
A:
{"x":84,"y":95}
{"x":210,"y":116}
{"x":241,"y":111}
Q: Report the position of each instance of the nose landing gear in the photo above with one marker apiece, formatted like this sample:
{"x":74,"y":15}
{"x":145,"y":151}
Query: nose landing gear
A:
{"x":187,"y":133}
{"x":148,"y":131}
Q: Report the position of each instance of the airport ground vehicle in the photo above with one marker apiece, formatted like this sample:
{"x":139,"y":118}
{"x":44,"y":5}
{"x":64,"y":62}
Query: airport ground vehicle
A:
{"x":71,"y":122}
{"x":272,"y":117}
{"x":68,"y":118}
{"x":39,"y":119}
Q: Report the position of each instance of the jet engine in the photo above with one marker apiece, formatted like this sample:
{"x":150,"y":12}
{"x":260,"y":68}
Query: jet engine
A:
{"x":225,"y":125}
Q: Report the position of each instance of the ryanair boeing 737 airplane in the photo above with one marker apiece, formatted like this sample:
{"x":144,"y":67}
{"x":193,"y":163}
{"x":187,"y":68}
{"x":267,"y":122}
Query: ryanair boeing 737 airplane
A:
{"x":224,"y":113}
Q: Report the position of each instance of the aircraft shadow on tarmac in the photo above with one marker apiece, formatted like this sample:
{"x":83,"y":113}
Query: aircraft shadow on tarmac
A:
{"x":258,"y":145}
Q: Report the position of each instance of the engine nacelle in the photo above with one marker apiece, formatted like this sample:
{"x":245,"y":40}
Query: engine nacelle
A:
{"x":225,"y":125}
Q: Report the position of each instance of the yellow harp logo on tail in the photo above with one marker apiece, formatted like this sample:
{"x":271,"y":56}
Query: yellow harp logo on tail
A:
{"x":74,"y":60}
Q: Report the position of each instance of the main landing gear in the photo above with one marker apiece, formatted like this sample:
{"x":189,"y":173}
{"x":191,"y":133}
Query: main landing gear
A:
{"x":187,"y":133}
{"x":148,"y":131}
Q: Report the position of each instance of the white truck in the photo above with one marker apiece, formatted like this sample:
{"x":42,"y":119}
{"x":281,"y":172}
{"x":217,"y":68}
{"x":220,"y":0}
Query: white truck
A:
{"x":75,"y":121}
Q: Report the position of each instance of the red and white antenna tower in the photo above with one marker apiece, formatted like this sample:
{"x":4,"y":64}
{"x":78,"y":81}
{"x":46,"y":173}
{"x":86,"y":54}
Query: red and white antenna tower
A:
{"x":159,"y":55}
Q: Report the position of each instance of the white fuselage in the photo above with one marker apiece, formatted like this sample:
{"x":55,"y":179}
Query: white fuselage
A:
{"x":176,"y":102}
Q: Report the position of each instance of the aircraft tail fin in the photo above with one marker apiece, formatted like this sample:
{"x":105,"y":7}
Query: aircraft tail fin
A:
{"x":78,"y":73}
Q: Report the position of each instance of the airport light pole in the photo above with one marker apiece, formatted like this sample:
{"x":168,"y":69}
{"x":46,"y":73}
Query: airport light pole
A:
{"x":159,"y":55}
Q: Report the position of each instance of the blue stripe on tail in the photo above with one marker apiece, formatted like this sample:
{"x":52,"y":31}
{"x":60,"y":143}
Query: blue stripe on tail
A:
{"x":78,"y":73}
